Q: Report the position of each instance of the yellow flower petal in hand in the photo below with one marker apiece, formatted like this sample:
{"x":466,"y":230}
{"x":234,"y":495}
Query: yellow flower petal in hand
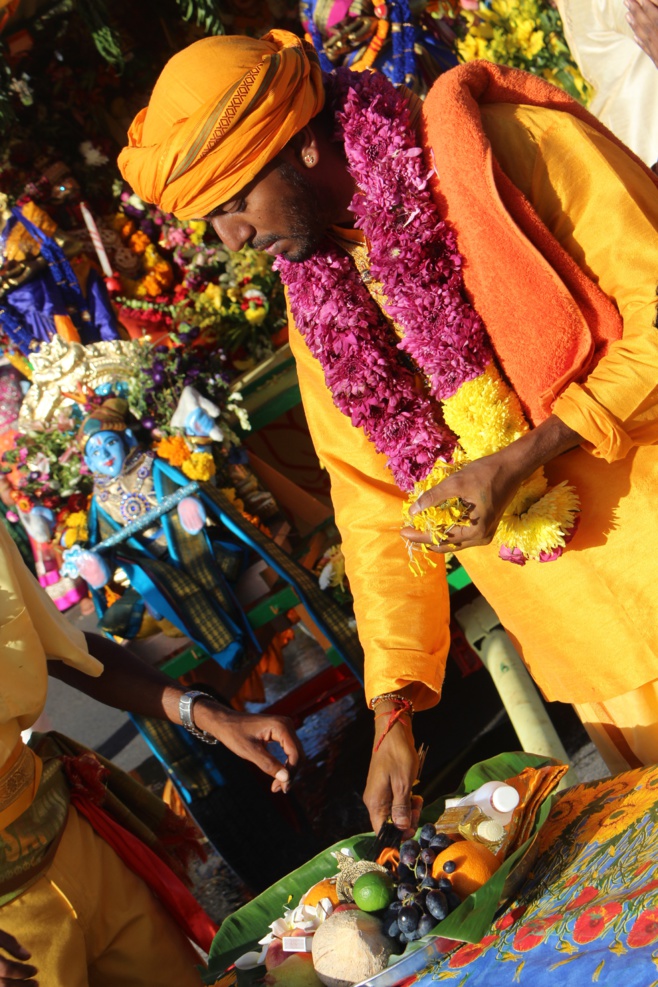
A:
{"x":436,"y":520}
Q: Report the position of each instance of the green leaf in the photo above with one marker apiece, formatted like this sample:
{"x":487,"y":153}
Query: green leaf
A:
{"x":241,"y":931}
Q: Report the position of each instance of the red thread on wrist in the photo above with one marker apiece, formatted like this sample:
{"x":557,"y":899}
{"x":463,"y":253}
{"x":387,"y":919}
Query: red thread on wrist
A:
{"x":402,"y":706}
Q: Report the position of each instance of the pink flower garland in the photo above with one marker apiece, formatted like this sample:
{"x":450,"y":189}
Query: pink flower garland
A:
{"x":414,"y":255}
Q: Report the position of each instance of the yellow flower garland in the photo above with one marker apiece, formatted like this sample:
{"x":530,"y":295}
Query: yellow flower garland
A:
{"x":200,"y":466}
{"x":486,"y":416}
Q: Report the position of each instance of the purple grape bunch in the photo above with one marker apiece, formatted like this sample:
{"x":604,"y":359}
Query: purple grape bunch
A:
{"x":422,"y":900}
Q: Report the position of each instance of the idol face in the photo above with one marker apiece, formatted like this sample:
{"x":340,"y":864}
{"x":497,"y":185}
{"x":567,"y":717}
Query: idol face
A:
{"x":105,"y":453}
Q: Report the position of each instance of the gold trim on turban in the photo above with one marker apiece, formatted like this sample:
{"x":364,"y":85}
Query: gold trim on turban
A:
{"x":221,"y":110}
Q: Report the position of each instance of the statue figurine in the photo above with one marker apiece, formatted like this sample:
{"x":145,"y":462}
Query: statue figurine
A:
{"x":124,"y":483}
{"x":169,"y":565}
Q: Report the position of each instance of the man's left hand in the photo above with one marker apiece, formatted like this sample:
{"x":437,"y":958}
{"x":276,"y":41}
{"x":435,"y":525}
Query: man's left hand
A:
{"x":248,"y":734}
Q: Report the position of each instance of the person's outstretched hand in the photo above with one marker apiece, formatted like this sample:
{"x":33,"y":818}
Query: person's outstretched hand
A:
{"x":393,"y":771}
{"x":642,"y":15}
{"x":248,"y":734}
{"x":11,"y":972}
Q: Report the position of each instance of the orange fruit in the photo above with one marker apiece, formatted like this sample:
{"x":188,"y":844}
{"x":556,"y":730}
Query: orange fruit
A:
{"x":323,"y":889}
{"x":474,"y":865}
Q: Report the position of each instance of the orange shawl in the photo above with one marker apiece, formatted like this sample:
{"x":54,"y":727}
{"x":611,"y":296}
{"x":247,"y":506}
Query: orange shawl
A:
{"x":548,"y":321}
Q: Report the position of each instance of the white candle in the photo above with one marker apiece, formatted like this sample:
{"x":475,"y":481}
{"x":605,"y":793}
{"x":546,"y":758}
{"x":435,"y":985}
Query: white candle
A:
{"x":96,"y":240}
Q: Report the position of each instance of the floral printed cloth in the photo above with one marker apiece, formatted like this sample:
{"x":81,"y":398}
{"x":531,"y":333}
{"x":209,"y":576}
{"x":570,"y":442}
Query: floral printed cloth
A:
{"x":588,"y":912}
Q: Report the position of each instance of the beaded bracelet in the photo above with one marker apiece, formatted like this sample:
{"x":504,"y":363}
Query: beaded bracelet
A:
{"x":401,"y":702}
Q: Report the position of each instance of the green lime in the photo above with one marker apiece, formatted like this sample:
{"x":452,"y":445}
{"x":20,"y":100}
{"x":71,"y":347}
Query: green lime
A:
{"x":373,"y":891}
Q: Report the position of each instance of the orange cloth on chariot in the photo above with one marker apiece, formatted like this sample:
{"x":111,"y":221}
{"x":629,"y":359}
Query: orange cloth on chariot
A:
{"x":221,"y":110}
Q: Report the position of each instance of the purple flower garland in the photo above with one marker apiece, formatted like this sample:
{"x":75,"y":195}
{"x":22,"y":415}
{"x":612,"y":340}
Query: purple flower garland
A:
{"x":414,"y":255}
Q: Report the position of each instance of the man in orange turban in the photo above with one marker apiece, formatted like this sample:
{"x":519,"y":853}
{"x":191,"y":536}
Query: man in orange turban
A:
{"x":221,"y":110}
{"x":538,"y":225}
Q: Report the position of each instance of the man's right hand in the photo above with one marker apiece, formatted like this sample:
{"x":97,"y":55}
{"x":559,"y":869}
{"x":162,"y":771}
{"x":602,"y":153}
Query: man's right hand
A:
{"x":393,"y":771}
{"x":12,"y":973}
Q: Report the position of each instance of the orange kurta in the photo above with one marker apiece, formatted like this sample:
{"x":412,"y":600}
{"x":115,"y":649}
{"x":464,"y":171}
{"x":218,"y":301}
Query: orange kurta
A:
{"x":586,"y":624}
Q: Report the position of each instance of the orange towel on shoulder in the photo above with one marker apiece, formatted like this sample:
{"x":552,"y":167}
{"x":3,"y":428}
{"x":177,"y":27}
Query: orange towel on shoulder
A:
{"x":548,"y":321}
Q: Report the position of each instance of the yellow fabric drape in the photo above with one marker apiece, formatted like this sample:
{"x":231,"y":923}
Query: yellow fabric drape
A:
{"x":89,"y":920}
{"x":624,"y":78}
{"x":624,"y":728}
{"x":586,"y":624}
{"x":221,"y":110}
{"x":31,"y":629}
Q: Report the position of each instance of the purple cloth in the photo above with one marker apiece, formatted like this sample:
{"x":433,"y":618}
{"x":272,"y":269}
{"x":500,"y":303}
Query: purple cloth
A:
{"x":36,"y":302}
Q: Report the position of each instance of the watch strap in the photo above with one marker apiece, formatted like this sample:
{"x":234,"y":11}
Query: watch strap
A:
{"x":186,"y":713}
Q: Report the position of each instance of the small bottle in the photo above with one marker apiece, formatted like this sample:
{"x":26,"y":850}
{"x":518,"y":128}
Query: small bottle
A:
{"x":495,"y":799}
{"x":471,"y":823}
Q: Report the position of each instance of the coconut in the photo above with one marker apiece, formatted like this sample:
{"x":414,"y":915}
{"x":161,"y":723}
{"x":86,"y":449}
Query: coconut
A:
{"x":350,"y":947}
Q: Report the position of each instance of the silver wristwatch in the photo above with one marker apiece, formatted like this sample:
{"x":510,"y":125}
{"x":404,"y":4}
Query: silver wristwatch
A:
{"x":185,"y":707}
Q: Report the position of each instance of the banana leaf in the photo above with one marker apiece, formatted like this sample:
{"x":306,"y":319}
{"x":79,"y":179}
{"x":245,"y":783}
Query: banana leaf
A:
{"x":468,"y":923}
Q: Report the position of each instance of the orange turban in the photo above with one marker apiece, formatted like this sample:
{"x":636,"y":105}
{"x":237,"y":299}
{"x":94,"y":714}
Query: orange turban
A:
{"x":220,"y":111}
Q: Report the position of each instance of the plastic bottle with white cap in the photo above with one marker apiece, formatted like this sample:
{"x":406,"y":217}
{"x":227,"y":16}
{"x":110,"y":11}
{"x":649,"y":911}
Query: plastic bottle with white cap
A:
{"x":494,"y":798}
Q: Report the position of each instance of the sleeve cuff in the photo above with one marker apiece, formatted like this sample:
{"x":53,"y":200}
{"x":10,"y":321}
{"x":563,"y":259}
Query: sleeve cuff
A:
{"x":604,"y":436}
{"x":394,"y":670}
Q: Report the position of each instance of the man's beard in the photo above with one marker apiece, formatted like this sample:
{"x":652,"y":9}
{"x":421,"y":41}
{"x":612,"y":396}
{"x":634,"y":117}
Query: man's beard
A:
{"x":306,"y":221}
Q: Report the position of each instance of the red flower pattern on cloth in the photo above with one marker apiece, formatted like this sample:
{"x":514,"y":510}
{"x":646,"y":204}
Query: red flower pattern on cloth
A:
{"x":533,"y":932}
{"x":507,"y":920}
{"x":470,"y":952}
{"x":644,"y":930}
{"x":593,"y":922}
{"x":587,"y":895}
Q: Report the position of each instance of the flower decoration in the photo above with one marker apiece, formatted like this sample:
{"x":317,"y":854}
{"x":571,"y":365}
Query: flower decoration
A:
{"x":46,"y":469}
{"x":199,"y":466}
{"x":174,"y":449}
{"x":412,"y":276}
{"x":185,"y":275}
{"x":526,"y":34}
{"x":92,"y":155}
{"x":75,"y":529}
{"x":332,"y":578}
{"x":161,"y":372}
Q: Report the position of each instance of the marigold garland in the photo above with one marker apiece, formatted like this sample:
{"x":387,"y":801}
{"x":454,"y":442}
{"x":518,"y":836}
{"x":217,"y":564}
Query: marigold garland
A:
{"x":174,"y":449}
{"x":416,"y":266}
{"x":200,"y":466}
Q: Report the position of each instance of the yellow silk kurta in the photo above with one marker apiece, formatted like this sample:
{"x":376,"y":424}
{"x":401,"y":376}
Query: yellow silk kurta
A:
{"x":587,"y":624}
